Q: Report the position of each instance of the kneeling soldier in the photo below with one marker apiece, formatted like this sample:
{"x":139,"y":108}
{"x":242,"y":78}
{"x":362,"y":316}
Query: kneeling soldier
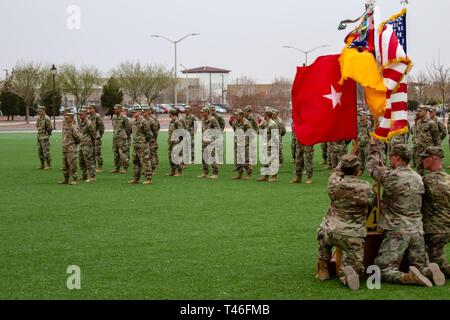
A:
{"x":344,"y":226}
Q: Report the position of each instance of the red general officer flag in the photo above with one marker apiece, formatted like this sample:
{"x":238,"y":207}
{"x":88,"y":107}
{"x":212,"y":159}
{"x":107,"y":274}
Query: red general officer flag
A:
{"x":323,"y":110}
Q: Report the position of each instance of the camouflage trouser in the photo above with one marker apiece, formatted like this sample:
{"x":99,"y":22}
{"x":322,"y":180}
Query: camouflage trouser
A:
{"x":246,"y":165}
{"x":129,"y":147}
{"x":363,"y":156}
{"x":304,"y":158}
{"x":214,"y":166}
{"x":156,"y":152}
{"x":352,"y":249}
{"x":337,"y":151}
{"x":44,"y":151}
{"x":418,"y":163}
{"x":98,"y":152}
{"x":86,"y":159}
{"x":70,"y":164}
{"x":329,"y":147}
{"x":324,"y":147}
{"x":280,"y":151}
{"x":293,"y":145}
{"x":435,"y":244}
{"x":192,"y":146}
{"x":394,"y":246}
{"x":120,"y":149}
{"x":153,"y":154}
{"x":141,"y":163}
{"x":173,"y":166}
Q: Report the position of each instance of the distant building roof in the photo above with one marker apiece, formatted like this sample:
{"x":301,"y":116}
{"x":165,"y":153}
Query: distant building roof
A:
{"x":205,"y":70}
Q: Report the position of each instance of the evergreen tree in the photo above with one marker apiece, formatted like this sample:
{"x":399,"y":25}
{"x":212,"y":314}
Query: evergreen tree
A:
{"x":112,"y":94}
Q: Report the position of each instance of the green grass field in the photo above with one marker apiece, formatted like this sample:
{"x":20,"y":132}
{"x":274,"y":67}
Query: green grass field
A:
{"x":180,"y":238}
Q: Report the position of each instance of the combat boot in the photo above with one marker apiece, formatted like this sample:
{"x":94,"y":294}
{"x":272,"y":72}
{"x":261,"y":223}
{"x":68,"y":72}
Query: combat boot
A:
{"x":415,"y":277}
{"x":84,"y":178}
{"x":171,"y":173}
{"x":297,"y":179}
{"x":263,"y":178}
{"x":350,"y":278}
{"x":309,"y":180}
{"x":65,"y":181}
{"x":322,"y":273}
{"x":178,"y":174}
{"x":134,"y":181}
{"x":99,"y":169}
{"x":147,"y":181}
{"x":238,"y":177}
{"x":41,"y":167}
{"x":204,"y":175}
{"x":436,"y":274}
{"x":273,"y":178}
{"x":247,"y":177}
{"x":74,"y":182}
{"x":115,"y":171}
{"x":214,"y":176}
{"x":48,"y":166}
{"x":123,"y":171}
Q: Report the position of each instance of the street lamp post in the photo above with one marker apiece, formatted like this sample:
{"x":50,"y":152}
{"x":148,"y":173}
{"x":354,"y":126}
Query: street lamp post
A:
{"x":305,"y":52}
{"x":175,"y":42}
{"x":53,"y":71}
{"x":187,"y":83}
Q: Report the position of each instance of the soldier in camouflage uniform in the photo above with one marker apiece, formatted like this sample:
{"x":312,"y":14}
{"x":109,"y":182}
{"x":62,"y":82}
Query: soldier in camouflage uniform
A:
{"x":436,"y":207}
{"x":44,"y":131}
{"x":426,"y":133}
{"x":248,"y":116}
{"x":364,"y":128}
{"x":440,"y":124}
{"x":154,"y":153}
{"x":121,"y":132}
{"x":213,"y":112}
{"x":401,"y":219}
{"x":336,"y":151}
{"x":97,"y":121}
{"x":130,"y":133}
{"x":190,"y":121}
{"x":304,"y":156}
{"x":208,"y":123}
{"x":344,"y":225}
{"x":269,"y":125}
{"x":324,"y":147}
{"x":240,"y":123}
{"x":141,"y":152}
{"x":71,"y":138}
{"x":154,"y":127}
{"x":86,"y":146}
{"x":175,"y":123}
{"x":282,"y":130}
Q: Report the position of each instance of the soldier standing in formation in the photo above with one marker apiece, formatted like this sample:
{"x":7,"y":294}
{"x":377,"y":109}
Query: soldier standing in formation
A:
{"x":44,"y":131}
{"x":440,"y":124}
{"x":304,"y":156}
{"x":324,"y":147}
{"x":190,"y":121}
{"x":336,"y":150}
{"x":130,"y":133}
{"x":86,"y":146}
{"x":121,"y":132}
{"x":209,"y":122}
{"x":175,"y":123}
{"x":248,"y":116}
{"x":153,"y":125}
{"x":344,"y":225}
{"x":436,"y":207}
{"x":426,"y":133}
{"x":213,"y":112}
{"x":401,"y":219}
{"x":71,"y":138}
{"x":240,"y":123}
{"x":364,"y":128}
{"x":141,"y":151}
{"x":282,"y":132}
{"x":269,"y":125}
{"x":97,"y":122}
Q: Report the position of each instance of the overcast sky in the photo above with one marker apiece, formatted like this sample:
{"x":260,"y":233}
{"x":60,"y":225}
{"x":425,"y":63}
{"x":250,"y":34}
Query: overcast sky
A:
{"x":245,"y":36}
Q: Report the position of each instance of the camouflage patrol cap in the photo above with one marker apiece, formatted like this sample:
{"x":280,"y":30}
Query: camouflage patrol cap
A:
{"x":401,"y":150}
{"x":137,"y":109}
{"x":174,"y":112}
{"x":69,"y":115}
{"x":84,"y":110}
{"x":248,"y":109}
{"x":145,"y":108}
{"x":41,"y":108}
{"x":117,"y":106}
{"x":204,"y":109}
{"x":67,"y":109}
{"x":431,"y":108}
{"x":212,"y":108}
{"x":433,"y":151}
{"x":238,"y":112}
{"x":275,"y":111}
{"x":349,"y":161}
{"x":91,"y":106}
{"x":421,"y":108}
{"x":268,"y":110}
{"x":188,"y":107}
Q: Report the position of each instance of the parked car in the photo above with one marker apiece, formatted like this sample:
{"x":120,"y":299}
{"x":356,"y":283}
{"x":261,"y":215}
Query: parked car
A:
{"x":158,"y":109}
{"x":220,"y":109}
{"x":224,"y":106}
{"x":72,"y":109}
{"x":180,"y":107}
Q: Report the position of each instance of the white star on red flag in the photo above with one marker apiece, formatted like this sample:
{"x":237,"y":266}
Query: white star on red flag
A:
{"x":334,"y":96}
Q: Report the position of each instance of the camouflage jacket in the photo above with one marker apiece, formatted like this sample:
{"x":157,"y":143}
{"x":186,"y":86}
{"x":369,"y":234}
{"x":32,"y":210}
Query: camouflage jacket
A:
{"x":99,"y":126}
{"x":351,"y":199}
{"x":153,"y":125}
{"x":210,"y":123}
{"x":436,"y":203}
{"x":44,"y":127}
{"x":158,"y":125}
{"x":269,"y":126}
{"x":281,"y":126}
{"x":141,"y":133}
{"x":190,"y":123}
{"x":121,"y":127}
{"x":87,"y":133}
{"x":71,"y":137}
{"x":244,"y":125}
{"x":221,"y":121}
{"x":399,"y":139}
{"x":441,"y":127}
{"x":364,"y":134}
{"x":402,"y":195}
{"x":253,"y":123}
{"x":426,"y":133}
{"x":174,"y":125}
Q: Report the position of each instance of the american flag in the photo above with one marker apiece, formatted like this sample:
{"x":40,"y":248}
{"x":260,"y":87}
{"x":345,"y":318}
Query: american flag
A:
{"x":395,"y":65}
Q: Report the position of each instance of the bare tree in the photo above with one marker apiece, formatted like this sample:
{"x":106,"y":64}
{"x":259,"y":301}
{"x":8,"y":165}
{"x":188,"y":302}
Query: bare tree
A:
{"x":80,"y":82}
{"x":245,"y":92}
{"x":279,"y":96}
{"x":439,"y":75}
{"x":131,"y":78}
{"x":421,"y":87}
{"x":155,"y":80}
{"x":26,"y":83}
